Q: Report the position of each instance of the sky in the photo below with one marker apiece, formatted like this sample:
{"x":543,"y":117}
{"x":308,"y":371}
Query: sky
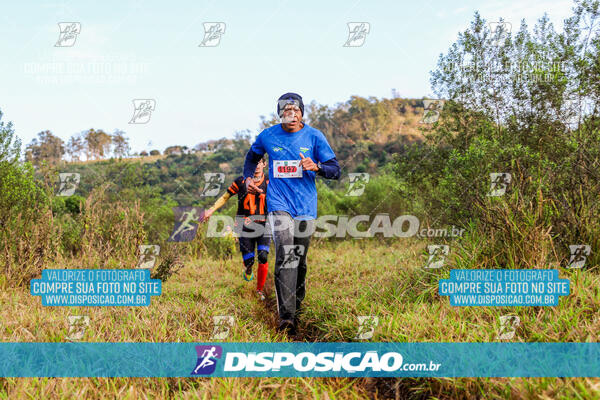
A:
{"x":138,"y":50}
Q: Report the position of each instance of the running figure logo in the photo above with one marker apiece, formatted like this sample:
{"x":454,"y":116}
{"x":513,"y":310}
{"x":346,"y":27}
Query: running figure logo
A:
{"x":212,"y":185}
{"x":437,"y":255}
{"x":186,"y":223}
{"x":292,"y":254}
{"x":500,"y":31}
{"x":431,"y":111}
{"x":357,"y":33}
{"x":212,"y":34}
{"x":579,"y":254}
{"x":68,"y":183}
{"x":77,"y":325}
{"x":142,"y":110}
{"x":148,"y":253}
{"x":500,"y":182}
{"x":508,"y":327}
{"x":366,"y":327}
{"x":222,"y":326}
{"x":358,"y":182}
{"x":68,"y":34}
{"x":207,"y":359}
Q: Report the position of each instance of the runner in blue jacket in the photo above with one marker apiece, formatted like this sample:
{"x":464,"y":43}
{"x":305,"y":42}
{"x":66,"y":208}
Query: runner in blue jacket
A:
{"x":297,"y":154}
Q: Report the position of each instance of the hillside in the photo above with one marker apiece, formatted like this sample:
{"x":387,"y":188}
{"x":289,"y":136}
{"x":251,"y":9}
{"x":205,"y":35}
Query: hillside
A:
{"x":366,"y":134}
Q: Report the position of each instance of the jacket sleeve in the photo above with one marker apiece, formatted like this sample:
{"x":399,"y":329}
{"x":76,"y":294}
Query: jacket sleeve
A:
{"x":257,"y":150}
{"x":220,"y":202}
{"x":234,"y":188}
{"x":251,"y":162}
{"x":330,"y":169}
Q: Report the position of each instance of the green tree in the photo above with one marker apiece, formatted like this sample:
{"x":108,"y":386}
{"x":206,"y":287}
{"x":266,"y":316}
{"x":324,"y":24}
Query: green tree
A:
{"x":75,"y":147}
{"x":268,"y":122}
{"x":120,"y":143}
{"x":46,"y":147}
{"x":177,"y":150}
{"x":10,"y":145}
{"x":525,"y":104}
{"x":97,"y":143}
{"x":18,"y":190}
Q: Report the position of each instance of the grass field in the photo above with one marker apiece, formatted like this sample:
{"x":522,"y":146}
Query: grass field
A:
{"x":345,"y":280}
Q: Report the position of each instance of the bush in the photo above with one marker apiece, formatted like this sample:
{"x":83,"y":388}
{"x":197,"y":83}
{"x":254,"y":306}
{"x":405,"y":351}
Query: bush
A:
{"x":28,"y":239}
{"x":507,"y":123}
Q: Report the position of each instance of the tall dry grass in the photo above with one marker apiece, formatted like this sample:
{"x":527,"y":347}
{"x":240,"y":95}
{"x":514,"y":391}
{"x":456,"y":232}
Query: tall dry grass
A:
{"x":29,"y":244}
{"x":112,"y":231}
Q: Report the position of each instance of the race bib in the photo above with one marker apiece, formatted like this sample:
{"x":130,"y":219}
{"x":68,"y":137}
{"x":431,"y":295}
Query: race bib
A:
{"x":287,"y":169}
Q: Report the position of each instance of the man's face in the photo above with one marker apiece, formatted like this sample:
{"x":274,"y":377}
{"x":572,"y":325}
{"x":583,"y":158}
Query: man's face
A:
{"x":260,"y":167}
{"x":291,"y":116}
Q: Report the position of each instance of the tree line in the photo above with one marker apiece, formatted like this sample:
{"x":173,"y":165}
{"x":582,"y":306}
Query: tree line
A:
{"x":366,"y":125}
{"x":94,"y":144}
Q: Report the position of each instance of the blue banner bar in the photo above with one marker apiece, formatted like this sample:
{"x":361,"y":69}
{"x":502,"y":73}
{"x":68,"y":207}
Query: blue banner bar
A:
{"x":96,"y":287}
{"x":300,"y":359}
{"x":504,"y":287}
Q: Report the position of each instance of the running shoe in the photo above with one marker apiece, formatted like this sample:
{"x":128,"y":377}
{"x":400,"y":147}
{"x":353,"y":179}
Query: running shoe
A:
{"x":287,"y":326}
